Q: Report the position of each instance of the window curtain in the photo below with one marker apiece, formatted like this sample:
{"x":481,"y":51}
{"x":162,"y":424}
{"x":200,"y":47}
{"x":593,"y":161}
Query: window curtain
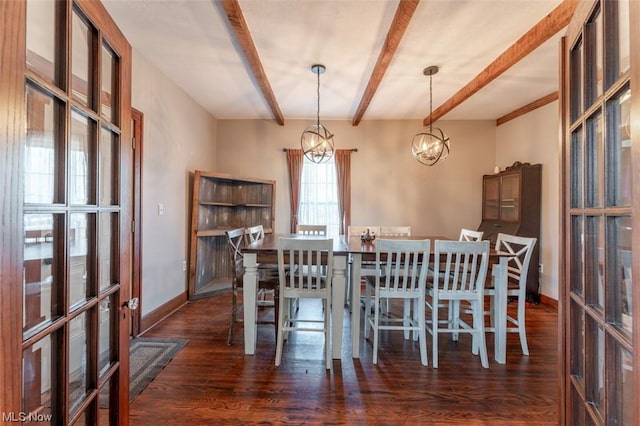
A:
{"x":295,"y":159}
{"x":343,"y":172}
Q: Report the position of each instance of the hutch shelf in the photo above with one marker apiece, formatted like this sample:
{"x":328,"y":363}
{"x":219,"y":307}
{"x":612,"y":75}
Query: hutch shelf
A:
{"x":222,"y":202}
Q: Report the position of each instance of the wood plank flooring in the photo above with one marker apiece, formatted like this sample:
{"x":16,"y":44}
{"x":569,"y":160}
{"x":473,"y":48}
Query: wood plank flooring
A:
{"x":210,"y":382}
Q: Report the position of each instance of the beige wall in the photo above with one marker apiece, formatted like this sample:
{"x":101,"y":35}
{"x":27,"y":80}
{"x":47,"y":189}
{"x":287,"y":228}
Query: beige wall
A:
{"x":388,"y":186}
{"x":534,"y":138}
{"x":179,"y":137}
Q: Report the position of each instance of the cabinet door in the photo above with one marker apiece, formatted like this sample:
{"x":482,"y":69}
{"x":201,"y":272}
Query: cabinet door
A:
{"x":491,"y":197}
{"x":510,"y":197}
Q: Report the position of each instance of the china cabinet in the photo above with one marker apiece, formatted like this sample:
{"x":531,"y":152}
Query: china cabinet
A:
{"x":511,"y":205}
{"x":222,"y":202}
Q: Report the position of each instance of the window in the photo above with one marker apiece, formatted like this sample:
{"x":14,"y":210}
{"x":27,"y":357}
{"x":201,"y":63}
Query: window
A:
{"x":319,"y":196}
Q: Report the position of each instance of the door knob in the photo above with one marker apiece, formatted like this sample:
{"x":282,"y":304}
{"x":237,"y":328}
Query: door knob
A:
{"x":132,"y":304}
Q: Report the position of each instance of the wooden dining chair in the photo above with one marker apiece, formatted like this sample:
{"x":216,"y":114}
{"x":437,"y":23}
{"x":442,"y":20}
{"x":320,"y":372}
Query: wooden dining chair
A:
{"x":517,"y":270}
{"x":267,"y":281}
{"x":315,"y":230}
{"x":254,"y":234}
{"x":404,"y":265}
{"x":459,"y":276}
{"x":306,"y":271}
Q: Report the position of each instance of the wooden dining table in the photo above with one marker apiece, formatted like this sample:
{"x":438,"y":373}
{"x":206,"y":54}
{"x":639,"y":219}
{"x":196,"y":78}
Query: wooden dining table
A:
{"x":265,"y":252}
{"x":366,"y":252}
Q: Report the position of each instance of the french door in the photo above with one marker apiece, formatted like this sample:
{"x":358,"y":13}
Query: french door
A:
{"x":66,"y":228}
{"x":601,"y":215}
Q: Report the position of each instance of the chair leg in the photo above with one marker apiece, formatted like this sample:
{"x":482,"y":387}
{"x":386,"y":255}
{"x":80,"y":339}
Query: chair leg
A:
{"x":376,"y":324}
{"x":406,"y":317}
{"x":434,"y":333}
{"x":367,"y":310}
{"x":454,"y":317}
{"x":276,"y":308}
{"x":234,"y":312}
{"x":327,"y":333}
{"x":521,"y":326}
{"x":424,"y":357}
{"x":280,"y":331}
{"x":478,"y":324}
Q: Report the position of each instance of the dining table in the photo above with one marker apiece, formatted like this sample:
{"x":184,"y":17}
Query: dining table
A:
{"x":265,"y":252}
{"x":360,"y":252}
{"x":353,"y":251}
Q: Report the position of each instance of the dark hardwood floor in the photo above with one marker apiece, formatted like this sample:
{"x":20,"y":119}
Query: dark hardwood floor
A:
{"x":210,"y":382}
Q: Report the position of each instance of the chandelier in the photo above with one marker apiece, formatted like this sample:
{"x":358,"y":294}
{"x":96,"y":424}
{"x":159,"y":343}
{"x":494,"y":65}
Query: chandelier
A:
{"x":430,"y":144}
{"x":317,"y":140}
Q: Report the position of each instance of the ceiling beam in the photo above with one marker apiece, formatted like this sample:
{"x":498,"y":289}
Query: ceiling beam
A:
{"x":239,"y":26}
{"x":400,"y":22}
{"x":528,"y":108}
{"x":536,"y":36}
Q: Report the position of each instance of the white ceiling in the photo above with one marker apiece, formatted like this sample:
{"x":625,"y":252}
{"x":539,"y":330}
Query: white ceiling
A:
{"x":192,"y":43}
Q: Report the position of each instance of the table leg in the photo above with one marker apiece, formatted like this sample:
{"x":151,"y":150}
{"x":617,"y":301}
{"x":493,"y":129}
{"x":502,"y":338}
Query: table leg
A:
{"x":355,"y":304}
{"x":337,"y":308}
{"x":250,"y":308}
{"x":500,"y":335}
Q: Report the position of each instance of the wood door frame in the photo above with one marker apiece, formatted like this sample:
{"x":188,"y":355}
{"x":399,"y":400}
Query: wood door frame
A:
{"x":137,"y":119}
{"x":12,"y":113}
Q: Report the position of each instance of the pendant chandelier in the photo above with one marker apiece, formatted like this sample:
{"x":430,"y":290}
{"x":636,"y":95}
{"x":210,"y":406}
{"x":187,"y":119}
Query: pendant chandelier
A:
{"x":316,"y":140}
{"x":430,"y":144}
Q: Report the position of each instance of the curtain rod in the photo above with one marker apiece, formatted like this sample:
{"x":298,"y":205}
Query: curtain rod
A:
{"x":291,"y":149}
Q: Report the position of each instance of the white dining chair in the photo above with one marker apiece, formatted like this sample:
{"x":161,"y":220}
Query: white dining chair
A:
{"x":404,"y":265}
{"x":301,"y":263}
{"x":470,"y":235}
{"x":459,"y":275}
{"x":315,"y":230}
{"x":395,"y":231}
{"x":465,"y":235}
{"x":517,"y":270}
{"x":255,"y":233}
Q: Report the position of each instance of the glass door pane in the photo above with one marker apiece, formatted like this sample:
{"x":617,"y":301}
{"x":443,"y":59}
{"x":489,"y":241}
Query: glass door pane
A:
{"x":83,"y":42}
{"x":41,"y":36}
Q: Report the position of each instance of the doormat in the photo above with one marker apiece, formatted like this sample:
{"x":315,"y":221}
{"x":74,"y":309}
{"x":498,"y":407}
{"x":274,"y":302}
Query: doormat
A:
{"x":148,"y":357}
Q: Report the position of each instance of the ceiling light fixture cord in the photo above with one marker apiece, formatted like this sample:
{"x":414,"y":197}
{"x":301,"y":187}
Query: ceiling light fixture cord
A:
{"x":318,"y":97}
{"x":430,"y":103}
